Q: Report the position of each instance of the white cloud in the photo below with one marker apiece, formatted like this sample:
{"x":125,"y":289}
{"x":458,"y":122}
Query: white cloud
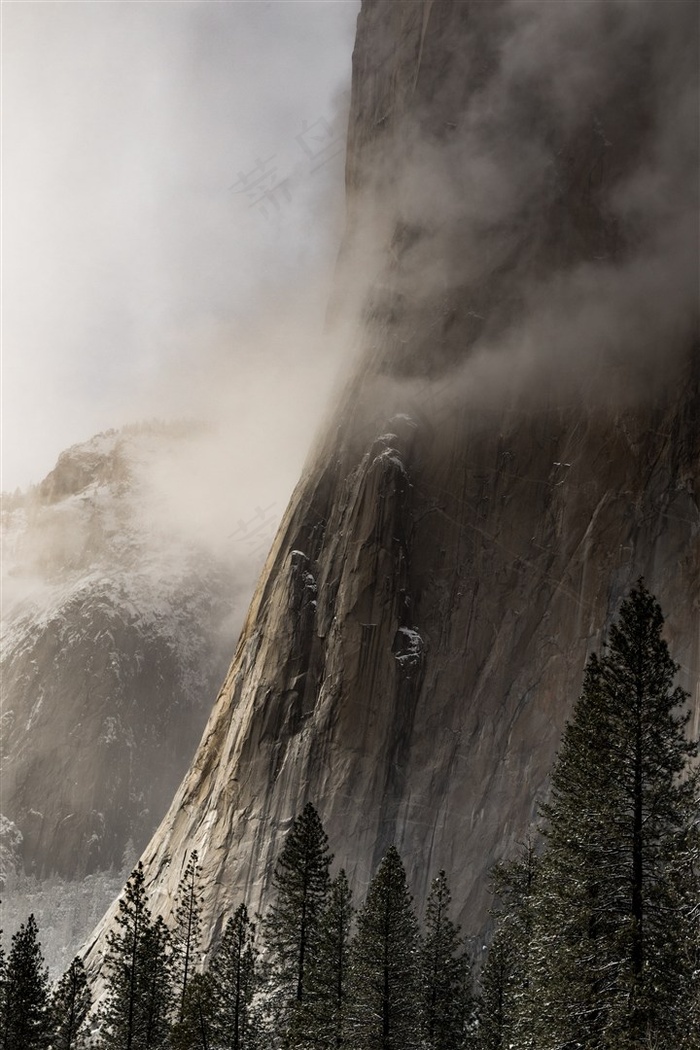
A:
{"x":133,"y":253}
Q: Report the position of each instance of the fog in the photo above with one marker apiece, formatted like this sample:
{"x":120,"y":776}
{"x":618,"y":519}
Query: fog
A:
{"x":173,"y":199}
{"x":555,"y":211}
{"x":173,"y":205}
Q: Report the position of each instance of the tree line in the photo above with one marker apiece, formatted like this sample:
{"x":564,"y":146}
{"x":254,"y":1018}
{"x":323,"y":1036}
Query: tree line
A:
{"x":596,"y":925}
{"x":303,"y":980}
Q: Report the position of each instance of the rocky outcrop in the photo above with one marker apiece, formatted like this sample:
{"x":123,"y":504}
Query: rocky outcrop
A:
{"x":498,"y":474}
{"x":111,"y":650}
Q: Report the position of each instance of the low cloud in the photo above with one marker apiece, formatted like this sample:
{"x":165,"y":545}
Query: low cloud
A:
{"x":171,"y":172}
{"x":540,"y":240}
{"x":553,"y":211}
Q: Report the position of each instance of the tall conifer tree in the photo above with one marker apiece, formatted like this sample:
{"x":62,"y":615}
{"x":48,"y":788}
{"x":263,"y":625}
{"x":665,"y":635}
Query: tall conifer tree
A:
{"x":506,"y":979}
{"x":157,"y":989}
{"x":188,"y":926}
{"x":616,"y":923}
{"x":138,"y":985}
{"x":496,"y":1007}
{"x":195,"y":1030}
{"x":3,"y":991}
{"x":447,"y":1000}
{"x":384,"y":1000}
{"x":70,"y":1006}
{"x":234,"y":981}
{"x":27,"y":1024}
{"x":300,"y":885}
{"x":322,"y":1019}
{"x":121,"y":1020}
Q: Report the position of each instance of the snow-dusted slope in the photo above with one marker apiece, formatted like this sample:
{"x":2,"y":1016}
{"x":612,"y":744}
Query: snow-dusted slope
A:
{"x":115,"y":634}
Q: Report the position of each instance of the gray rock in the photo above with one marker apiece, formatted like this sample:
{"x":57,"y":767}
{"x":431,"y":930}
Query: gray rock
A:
{"x":111,"y":651}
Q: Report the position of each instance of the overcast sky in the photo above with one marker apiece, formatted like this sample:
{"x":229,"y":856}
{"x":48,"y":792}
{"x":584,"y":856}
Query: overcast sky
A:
{"x":172,"y":177}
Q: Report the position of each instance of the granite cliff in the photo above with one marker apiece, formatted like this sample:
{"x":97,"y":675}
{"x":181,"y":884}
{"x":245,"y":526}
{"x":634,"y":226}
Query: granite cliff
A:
{"x":112,"y":643}
{"x":518,"y":442}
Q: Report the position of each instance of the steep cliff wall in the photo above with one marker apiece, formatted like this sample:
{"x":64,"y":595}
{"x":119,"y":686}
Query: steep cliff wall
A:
{"x":519,"y":442}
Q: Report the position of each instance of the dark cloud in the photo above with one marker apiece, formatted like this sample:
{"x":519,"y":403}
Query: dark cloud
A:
{"x":554,"y":210}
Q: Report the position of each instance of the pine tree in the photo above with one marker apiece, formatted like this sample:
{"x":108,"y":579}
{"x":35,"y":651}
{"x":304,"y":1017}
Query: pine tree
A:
{"x":615,"y":928}
{"x":70,"y":1006}
{"x":384,"y":996}
{"x":234,"y":982}
{"x":121,"y":1022}
{"x":495,"y":1004}
{"x":195,"y":1030}
{"x":300,"y":885}
{"x":505,"y":1003}
{"x":3,"y":992}
{"x":156,"y":985}
{"x":321,"y":1020}
{"x":137,"y":974}
{"x":27,"y":1024}
{"x":447,"y":1000}
{"x":188,"y":926}
{"x":692,"y":1021}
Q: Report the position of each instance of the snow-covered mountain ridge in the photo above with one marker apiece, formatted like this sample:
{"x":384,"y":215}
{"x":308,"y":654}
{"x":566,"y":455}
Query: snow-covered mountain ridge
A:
{"x":115,"y":629}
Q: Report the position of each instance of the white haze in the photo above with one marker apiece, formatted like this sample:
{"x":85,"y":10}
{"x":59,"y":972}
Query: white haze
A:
{"x":142,"y":277}
{"x":139,"y":283}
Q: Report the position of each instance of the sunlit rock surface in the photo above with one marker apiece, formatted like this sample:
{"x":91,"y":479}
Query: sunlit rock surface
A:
{"x":458,"y":543}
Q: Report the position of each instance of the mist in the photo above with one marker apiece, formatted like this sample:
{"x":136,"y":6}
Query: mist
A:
{"x":177,"y":199}
{"x":567,"y":246}
{"x":173,"y":183}
{"x":174,"y":208}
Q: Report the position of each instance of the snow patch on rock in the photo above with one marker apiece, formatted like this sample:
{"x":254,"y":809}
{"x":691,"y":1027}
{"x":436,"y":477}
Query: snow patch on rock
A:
{"x":408,"y":648}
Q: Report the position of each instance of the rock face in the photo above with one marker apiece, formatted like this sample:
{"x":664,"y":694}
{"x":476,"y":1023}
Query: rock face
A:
{"x":520,"y":442}
{"x":111,"y":651}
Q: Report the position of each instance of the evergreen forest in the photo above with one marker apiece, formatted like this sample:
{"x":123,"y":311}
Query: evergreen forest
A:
{"x":594,"y":939}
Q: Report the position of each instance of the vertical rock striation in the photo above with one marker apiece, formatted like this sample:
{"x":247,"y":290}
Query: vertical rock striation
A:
{"x":519,"y":442}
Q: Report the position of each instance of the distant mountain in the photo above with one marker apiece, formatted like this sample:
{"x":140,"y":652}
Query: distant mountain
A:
{"x":115,"y":636}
